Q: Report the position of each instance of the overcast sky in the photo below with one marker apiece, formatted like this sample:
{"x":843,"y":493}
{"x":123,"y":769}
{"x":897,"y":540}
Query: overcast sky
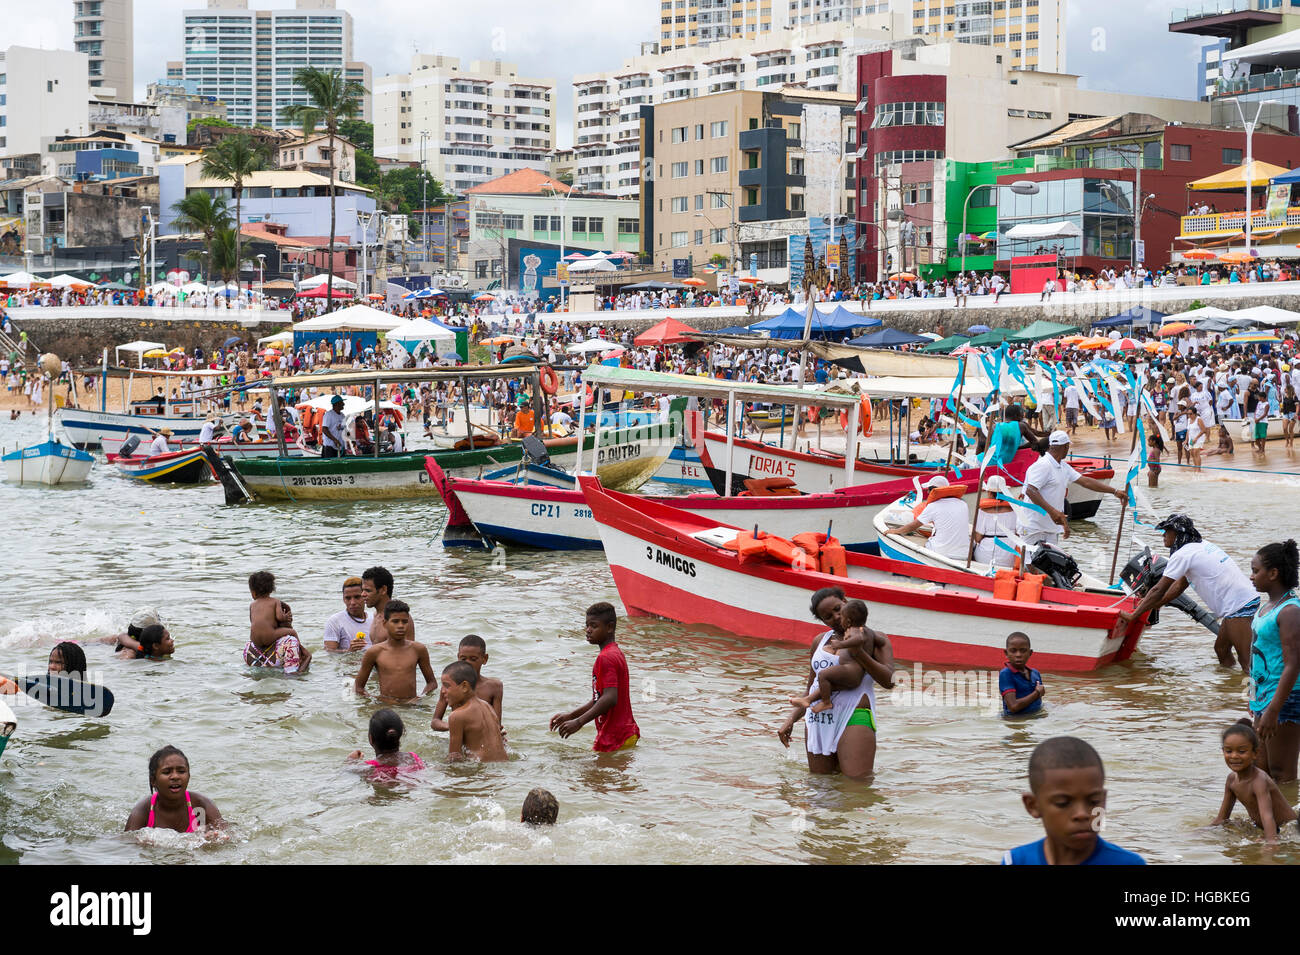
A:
{"x":1121,"y":45}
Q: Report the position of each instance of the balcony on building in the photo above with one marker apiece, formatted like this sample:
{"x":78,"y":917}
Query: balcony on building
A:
{"x":1228,"y":18}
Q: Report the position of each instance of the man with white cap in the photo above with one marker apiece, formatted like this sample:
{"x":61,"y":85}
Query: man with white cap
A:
{"x":1046,"y":483}
{"x":943,"y":520}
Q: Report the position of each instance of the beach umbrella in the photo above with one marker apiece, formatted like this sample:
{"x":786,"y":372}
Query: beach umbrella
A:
{"x":696,"y":283}
{"x":574,"y":257}
{"x":499,"y":340}
{"x":1175,"y":328}
{"x":668,"y":332}
{"x":155,"y":353}
{"x":966,"y":349}
{"x":1045,"y":343}
{"x":1252,"y":338}
{"x":1093,"y":344}
{"x":978,"y":329}
{"x":484,"y":297}
{"x":1163,"y":348}
{"x":592,"y":345}
{"x":622,"y":255}
{"x":749,"y":280}
{"x":902,"y":277}
{"x":1202,"y":254}
{"x":376,"y":296}
{"x":1124,"y":344}
{"x":933,"y":336}
{"x":1237,"y":256}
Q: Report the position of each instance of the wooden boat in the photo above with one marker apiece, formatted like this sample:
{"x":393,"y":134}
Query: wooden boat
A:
{"x":174,"y":467}
{"x":669,"y":563}
{"x":684,"y":469}
{"x":559,"y":519}
{"x":815,"y":471}
{"x":50,"y":462}
{"x":1275,"y":426}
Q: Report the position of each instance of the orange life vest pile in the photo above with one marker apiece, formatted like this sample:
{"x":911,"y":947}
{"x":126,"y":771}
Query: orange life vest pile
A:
{"x":809,"y":551}
{"x":1012,"y":585}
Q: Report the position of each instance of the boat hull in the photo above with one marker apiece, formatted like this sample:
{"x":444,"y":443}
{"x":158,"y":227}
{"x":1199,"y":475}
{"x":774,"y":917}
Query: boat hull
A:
{"x":48,"y":463}
{"x":1275,"y":426}
{"x":175,"y":467}
{"x":930,"y":615}
{"x":92,"y":429}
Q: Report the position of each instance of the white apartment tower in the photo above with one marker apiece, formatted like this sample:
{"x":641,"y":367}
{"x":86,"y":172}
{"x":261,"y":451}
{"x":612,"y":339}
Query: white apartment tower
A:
{"x":1032,"y":30}
{"x":43,"y":94}
{"x":104,"y":31}
{"x":467,"y":124}
{"x":247,"y":58}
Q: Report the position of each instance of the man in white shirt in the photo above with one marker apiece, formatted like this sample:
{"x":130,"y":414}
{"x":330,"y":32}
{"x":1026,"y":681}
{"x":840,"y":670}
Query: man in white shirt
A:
{"x":1046,"y":483}
{"x":349,"y":629}
{"x":944,"y":521}
{"x":1072,"y":403}
{"x":159,"y":445}
{"x":331,"y":431}
{"x":1227,"y":592}
{"x":211,"y":428}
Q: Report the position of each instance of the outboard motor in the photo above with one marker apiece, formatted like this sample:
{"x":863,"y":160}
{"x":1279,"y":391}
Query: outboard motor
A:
{"x":1144,"y":570}
{"x":1059,"y":566}
{"x":535,"y":451}
{"x":128,"y":446}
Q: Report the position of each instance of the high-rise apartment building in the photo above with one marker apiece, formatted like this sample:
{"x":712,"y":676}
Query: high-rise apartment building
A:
{"x":103,"y":30}
{"x":43,"y":94}
{"x":1033,"y":31}
{"x":467,"y":124}
{"x":247,"y":58}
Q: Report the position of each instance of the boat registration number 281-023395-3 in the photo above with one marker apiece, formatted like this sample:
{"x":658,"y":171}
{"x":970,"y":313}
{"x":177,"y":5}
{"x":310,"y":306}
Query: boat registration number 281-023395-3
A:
{"x":679,"y":564}
{"x":329,"y":480}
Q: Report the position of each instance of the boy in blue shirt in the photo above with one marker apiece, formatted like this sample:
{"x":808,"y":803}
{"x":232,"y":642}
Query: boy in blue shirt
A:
{"x":1021,"y":688}
{"x":1067,"y":785}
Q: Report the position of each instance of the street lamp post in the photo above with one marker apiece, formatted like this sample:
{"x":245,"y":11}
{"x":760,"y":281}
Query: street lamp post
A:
{"x":424,"y":201}
{"x":1250,"y":159}
{"x":564,"y":214}
{"x":1021,"y":187}
{"x":261,"y":275}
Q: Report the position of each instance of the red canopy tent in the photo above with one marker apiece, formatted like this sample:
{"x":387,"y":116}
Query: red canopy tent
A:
{"x":319,"y":292}
{"x":668,"y":332}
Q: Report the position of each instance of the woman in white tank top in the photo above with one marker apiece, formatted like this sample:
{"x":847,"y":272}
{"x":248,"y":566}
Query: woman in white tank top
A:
{"x":844,"y":737}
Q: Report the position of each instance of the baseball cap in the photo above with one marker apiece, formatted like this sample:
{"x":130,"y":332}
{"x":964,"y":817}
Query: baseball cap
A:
{"x":1058,"y":438}
{"x":937,"y":481}
{"x":336,"y":400}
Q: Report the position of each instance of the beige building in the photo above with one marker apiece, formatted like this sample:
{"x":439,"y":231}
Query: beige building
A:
{"x":467,"y":124}
{"x":104,"y":31}
{"x":745,"y":158}
{"x":313,"y":155}
{"x":1032,"y":31}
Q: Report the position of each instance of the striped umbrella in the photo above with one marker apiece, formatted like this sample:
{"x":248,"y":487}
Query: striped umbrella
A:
{"x":1252,"y":338}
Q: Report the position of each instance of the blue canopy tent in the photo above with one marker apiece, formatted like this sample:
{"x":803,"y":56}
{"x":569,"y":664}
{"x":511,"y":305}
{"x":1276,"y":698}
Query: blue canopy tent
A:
{"x":887,"y":338}
{"x":1289,"y":178}
{"x":1137,"y":315}
{"x":834,"y":324}
{"x":732,"y":330}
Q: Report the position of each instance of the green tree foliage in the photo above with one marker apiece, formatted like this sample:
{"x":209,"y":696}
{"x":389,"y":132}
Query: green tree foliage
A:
{"x":361,"y":133}
{"x":233,"y":160}
{"x":198,"y":121}
{"x":203,"y":213}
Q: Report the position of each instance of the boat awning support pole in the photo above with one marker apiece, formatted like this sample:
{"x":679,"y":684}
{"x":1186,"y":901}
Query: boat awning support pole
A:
{"x":278,"y":418}
{"x":374,"y":436}
{"x":595,"y":442}
{"x":469,"y":428}
{"x":103,"y":383}
{"x":731,"y":440}
{"x":851,"y":448}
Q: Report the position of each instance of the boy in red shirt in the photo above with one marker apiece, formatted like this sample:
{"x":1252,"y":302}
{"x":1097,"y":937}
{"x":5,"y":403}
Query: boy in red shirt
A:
{"x":611,"y":702}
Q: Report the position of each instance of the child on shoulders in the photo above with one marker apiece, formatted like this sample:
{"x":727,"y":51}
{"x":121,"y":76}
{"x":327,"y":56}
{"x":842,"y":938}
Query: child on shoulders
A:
{"x":272,"y":641}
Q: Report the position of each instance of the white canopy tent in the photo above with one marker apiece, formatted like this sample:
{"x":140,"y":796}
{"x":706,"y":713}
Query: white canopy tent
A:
{"x":1028,"y":231}
{"x":138,"y":349}
{"x":69,"y":281}
{"x":279,"y":338}
{"x":593,"y":265}
{"x":1281,"y":50}
{"x":316,"y":280}
{"x":420,"y":331}
{"x":21,"y":280}
{"x":1199,"y":315}
{"x":591,"y":345}
{"x":1267,"y":315}
{"x":354,"y":318}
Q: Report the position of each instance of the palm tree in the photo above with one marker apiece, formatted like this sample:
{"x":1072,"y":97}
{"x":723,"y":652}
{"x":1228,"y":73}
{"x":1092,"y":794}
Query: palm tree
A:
{"x":203,"y":213}
{"x":233,"y":160}
{"x":331,"y":100}
{"x":225,"y":256}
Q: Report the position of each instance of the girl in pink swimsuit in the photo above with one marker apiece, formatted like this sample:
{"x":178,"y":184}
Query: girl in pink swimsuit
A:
{"x":169,"y":779}
{"x":386,"y":729}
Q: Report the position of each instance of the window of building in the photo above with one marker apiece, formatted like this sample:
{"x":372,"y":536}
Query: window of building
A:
{"x":699,"y":236}
{"x":595,"y":226}
{"x":679,"y":134}
{"x":680,"y":170}
{"x":718,"y":164}
{"x":480,"y":268}
{"x":1180,"y":153}
{"x":699,"y":130}
{"x":717,"y":201}
{"x":796,"y":166}
{"x":1232,"y":157}
{"x":908,"y":114}
{"x":699,"y":201}
{"x":796,"y":202}
{"x":718,"y":130}
{"x":680,"y":239}
{"x":539,"y":223}
{"x":629,"y":226}
{"x":717,"y":235}
{"x":751,"y":196}
{"x":699,"y":167}
{"x":678,"y":204}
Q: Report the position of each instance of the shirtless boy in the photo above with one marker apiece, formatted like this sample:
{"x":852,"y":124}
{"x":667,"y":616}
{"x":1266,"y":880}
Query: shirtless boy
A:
{"x":397,"y":658}
{"x":272,"y":641}
{"x":1250,"y":785}
{"x":858,"y":645}
{"x":473,"y":650}
{"x":472,"y":725}
{"x":377,"y":587}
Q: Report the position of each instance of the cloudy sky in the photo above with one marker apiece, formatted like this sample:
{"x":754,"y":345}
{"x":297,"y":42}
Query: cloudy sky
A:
{"x":1118,"y":45}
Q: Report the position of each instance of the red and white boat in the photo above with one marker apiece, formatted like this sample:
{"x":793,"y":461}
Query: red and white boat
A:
{"x":817,"y":471}
{"x":668,"y":563}
{"x":559,"y":519}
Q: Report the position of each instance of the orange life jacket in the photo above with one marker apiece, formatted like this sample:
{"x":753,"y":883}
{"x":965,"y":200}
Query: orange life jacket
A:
{"x":936,"y":494}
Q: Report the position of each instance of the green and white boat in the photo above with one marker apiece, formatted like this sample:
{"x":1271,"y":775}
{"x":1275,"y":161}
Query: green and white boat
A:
{"x":627,"y":457}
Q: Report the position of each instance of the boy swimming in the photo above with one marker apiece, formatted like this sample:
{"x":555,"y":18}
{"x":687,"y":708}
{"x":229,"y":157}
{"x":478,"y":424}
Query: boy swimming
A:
{"x":386,"y":729}
{"x":1250,"y":785}
{"x":397,"y":658}
{"x":272,"y":641}
{"x":473,"y":650}
{"x":540,"y":808}
{"x":1021,"y":688}
{"x":852,"y":655}
{"x":472,"y":724}
{"x":1067,"y":791}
